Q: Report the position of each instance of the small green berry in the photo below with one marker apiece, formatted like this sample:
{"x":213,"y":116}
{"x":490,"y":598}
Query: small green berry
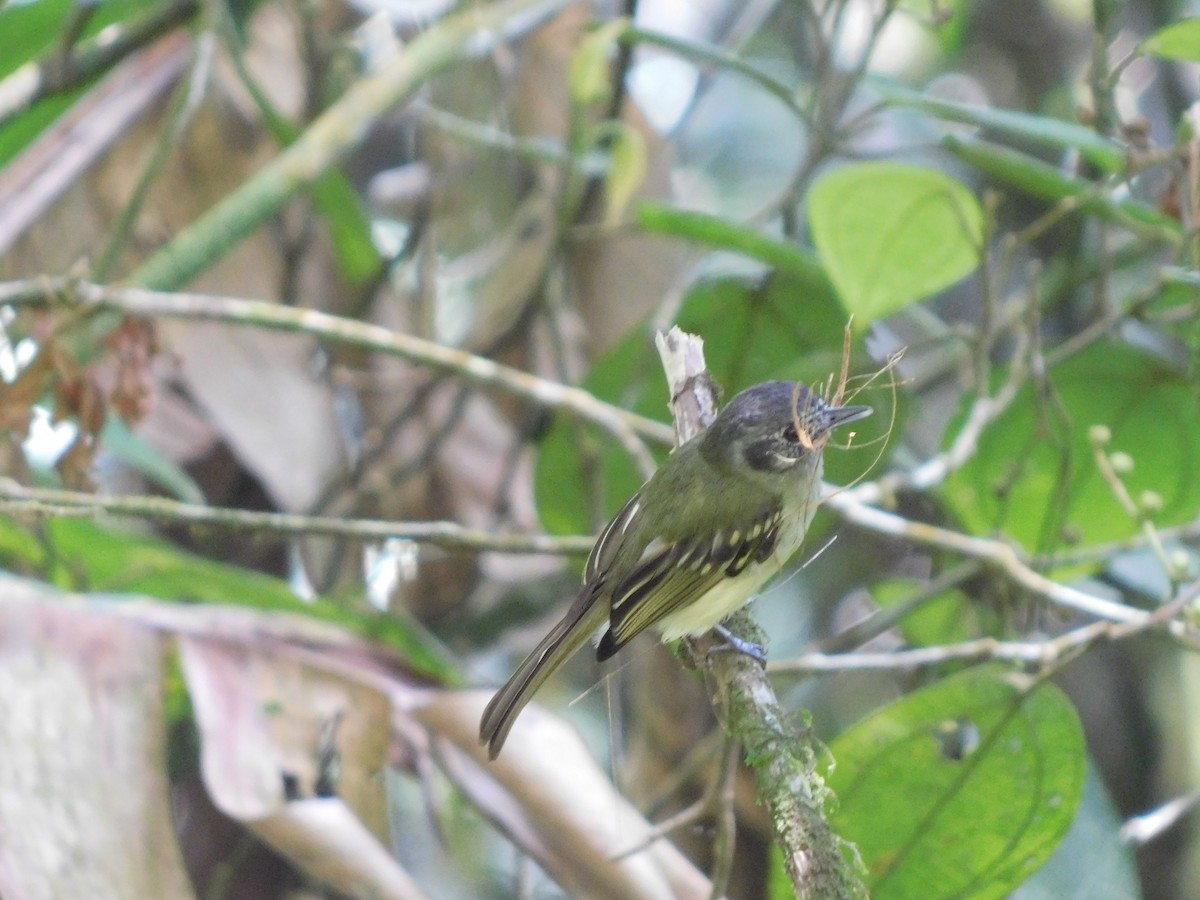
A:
{"x":1121,"y":462}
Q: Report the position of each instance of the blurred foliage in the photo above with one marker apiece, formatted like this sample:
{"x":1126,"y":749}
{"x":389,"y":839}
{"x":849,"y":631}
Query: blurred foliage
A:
{"x":1180,"y":40}
{"x":79,"y":555}
{"x":1034,"y":477}
{"x":31,"y":31}
{"x":1002,"y":198}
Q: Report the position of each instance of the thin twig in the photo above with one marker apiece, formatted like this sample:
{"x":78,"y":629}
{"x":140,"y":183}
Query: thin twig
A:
{"x":935,"y":470}
{"x":474,"y":32}
{"x":622,"y":424}
{"x":53,"y":162}
{"x":724,"y":797}
{"x":722,"y":59}
{"x":1093,"y":553}
{"x":1046,"y":654}
{"x":921,"y":657}
{"x":1138,"y":513}
{"x":1002,"y":556}
{"x":184,"y":108}
{"x":784,"y":760}
{"x":882,"y":620}
{"x":1143,"y":829}
{"x":17,"y":500}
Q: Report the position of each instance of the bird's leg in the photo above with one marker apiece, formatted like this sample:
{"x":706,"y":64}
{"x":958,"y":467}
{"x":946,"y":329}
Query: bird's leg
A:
{"x":738,"y":645}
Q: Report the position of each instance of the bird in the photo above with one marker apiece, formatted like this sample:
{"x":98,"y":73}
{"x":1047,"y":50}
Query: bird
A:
{"x":722,"y":515}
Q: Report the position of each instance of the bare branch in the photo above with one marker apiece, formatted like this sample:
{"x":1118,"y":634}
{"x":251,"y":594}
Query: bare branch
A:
{"x":622,"y":424}
{"x":1004,"y":557}
{"x":17,"y":501}
{"x":1046,"y":654}
{"x":1147,"y":827}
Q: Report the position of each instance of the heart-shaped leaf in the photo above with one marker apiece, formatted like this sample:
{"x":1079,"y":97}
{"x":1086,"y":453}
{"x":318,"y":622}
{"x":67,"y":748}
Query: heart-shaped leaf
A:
{"x":891,"y":234}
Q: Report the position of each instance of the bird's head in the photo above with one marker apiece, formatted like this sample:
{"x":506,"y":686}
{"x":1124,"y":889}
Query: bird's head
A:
{"x":772,"y":427}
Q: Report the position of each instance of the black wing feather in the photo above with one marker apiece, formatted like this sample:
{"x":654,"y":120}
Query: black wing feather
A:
{"x":673,"y":575}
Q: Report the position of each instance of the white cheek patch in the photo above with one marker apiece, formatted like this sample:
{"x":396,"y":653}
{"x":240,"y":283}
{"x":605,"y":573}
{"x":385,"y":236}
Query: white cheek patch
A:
{"x":784,"y":462}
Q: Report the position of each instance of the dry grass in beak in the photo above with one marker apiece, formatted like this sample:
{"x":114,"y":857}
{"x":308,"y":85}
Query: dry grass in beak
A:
{"x":801,"y":418}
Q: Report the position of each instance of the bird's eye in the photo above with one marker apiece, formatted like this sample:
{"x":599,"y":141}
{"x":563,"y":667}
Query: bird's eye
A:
{"x":790,"y":435}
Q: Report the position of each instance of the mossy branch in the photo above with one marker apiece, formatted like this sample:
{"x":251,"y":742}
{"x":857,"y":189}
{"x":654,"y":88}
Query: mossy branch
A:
{"x":783,"y":757}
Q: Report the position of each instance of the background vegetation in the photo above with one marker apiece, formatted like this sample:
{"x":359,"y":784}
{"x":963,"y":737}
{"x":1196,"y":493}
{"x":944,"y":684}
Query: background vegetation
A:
{"x":328,"y":343}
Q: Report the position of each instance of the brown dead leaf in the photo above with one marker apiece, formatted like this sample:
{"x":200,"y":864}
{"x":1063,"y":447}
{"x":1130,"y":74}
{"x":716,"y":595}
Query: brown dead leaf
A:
{"x":75,"y":464}
{"x":84,"y":799}
{"x":547,"y":793}
{"x":262,"y":394}
{"x":337,"y":849}
{"x":78,"y":396}
{"x":133,"y":346}
{"x":265,"y":714}
{"x":17,"y":397}
{"x":288,"y":708}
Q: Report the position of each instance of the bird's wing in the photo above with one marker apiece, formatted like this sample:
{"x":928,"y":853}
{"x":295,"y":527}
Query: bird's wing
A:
{"x":671,"y":575}
{"x":610,"y":540}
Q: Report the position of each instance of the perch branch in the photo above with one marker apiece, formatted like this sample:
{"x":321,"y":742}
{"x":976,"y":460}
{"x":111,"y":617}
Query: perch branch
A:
{"x":784,"y":760}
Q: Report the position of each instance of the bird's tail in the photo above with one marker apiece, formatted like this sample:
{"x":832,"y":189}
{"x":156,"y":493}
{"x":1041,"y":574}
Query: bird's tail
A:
{"x":582,"y":620}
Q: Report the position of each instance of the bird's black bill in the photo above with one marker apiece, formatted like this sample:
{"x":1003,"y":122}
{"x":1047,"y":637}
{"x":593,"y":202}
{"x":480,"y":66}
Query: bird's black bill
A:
{"x":844,"y":415}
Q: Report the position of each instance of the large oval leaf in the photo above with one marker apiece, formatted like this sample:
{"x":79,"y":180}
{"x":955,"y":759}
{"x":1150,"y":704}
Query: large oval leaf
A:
{"x":1092,"y":862}
{"x":961,"y":789}
{"x":891,"y":234}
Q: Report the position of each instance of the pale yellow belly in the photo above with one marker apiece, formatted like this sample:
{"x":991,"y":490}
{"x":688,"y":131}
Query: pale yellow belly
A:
{"x":731,"y":594}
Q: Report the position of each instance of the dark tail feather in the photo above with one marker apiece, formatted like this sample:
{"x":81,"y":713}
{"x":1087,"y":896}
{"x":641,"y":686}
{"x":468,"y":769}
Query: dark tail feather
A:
{"x":584,"y":617}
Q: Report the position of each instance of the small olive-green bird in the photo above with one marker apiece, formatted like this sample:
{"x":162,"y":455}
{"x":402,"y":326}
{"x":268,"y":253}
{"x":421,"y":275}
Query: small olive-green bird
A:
{"x":722,"y":515}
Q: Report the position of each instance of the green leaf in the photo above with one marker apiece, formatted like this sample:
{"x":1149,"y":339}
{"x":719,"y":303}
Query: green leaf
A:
{"x":88,"y":557}
{"x":1034,"y":476}
{"x":30,"y":32}
{"x":626,"y":171}
{"x":21,"y":551}
{"x":31,"y":29}
{"x":1092,"y":862}
{"x":91,"y":557}
{"x":891,"y":234}
{"x":1179,"y":40}
{"x":590,"y":76}
{"x":335,"y":198}
{"x":143,"y":457}
{"x":961,"y":789}
{"x":1054,"y":134}
{"x":343,"y":211}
